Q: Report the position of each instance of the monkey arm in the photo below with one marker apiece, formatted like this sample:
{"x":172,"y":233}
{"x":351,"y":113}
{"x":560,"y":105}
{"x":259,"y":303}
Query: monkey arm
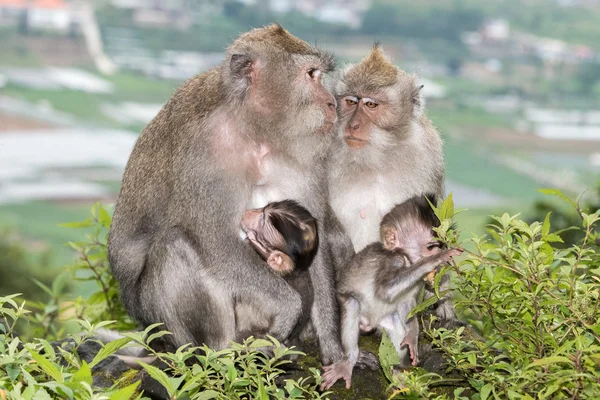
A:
{"x":406,"y":277}
{"x":339,"y":242}
{"x":324,"y":312}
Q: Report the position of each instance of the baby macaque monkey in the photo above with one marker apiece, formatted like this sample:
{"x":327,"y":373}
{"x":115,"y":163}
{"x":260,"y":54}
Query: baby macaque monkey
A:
{"x":284,"y":234}
{"x":380,"y":285}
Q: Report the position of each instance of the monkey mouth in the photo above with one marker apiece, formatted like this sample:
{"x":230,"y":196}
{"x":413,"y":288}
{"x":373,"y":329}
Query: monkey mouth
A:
{"x":354,"y":142}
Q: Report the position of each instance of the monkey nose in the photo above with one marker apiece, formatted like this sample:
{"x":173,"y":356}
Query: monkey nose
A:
{"x":355,"y":126}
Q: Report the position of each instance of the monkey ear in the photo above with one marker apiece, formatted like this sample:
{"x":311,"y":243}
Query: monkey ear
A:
{"x":280,"y":262}
{"x":418,"y":101}
{"x":243,"y":69}
{"x":389,"y":238}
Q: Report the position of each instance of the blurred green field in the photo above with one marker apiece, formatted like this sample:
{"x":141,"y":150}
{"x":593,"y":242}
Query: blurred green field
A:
{"x":40,"y":220}
{"x":87,"y":106}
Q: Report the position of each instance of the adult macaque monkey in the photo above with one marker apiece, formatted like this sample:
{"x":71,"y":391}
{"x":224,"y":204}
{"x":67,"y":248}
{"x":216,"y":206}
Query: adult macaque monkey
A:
{"x":380,"y":285}
{"x":386,"y":150}
{"x":238,"y":136}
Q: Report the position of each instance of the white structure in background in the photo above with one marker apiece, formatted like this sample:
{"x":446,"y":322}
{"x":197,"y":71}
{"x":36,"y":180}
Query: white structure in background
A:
{"x":564,"y":124}
{"x":93,"y":39}
{"x":49,"y":14}
{"x":53,"y":15}
{"x":345,"y":12}
{"x":496,"y":29}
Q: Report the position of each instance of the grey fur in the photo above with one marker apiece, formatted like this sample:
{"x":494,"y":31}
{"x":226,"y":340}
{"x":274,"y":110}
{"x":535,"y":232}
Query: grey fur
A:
{"x":174,"y":243}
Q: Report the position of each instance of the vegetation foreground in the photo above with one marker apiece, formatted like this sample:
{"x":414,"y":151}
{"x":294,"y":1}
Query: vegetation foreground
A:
{"x":530,"y":302}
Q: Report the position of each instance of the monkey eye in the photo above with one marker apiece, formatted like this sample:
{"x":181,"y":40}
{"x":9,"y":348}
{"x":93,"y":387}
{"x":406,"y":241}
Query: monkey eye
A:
{"x":433,"y":245}
{"x":371,"y":104}
{"x":313,"y":73}
{"x":351,"y":101}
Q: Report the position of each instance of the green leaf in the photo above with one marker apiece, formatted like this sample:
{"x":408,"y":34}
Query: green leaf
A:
{"x":206,"y":394}
{"x":446,"y":209}
{"x":43,"y":287}
{"x":553,"y":238}
{"x":46,"y":366}
{"x":426,"y":303}
{"x":159,"y":376}
{"x":556,"y":192}
{"x":83,"y":375}
{"x":546,"y":226}
{"x":103,"y":217}
{"x":388,"y":356}
{"x":82,"y":224}
{"x":485,"y":391}
{"x":550,"y":360}
{"x":109,"y":349}
{"x":260,"y":343}
{"x":126,"y":393}
{"x":41,"y":394}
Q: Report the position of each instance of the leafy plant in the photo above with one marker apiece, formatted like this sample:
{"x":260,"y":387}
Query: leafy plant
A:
{"x":92,"y":265}
{"x":535,"y":306}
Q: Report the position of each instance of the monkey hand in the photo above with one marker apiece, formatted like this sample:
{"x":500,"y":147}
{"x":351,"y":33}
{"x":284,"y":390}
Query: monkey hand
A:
{"x":332,"y":373}
{"x":448,"y":254}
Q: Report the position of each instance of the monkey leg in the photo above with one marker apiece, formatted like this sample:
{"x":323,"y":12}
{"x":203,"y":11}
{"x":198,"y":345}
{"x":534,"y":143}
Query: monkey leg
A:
{"x":411,"y":326}
{"x":324,"y":311}
{"x":396,"y":330}
{"x":195,"y":298}
{"x":411,"y":339}
{"x":342,"y":369}
{"x":179,"y":290}
{"x":445,"y":307}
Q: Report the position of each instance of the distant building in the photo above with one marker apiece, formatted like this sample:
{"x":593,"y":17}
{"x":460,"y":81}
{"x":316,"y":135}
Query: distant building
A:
{"x":173,"y":13}
{"x":44,"y":15}
{"x":564,"y":124}
{"x":496,"y":29}
{"x":343,"y":12}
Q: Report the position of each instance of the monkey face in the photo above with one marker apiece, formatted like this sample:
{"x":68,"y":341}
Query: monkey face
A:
{"x":358,"y":115}
{"x":261,"y":233}
{"x":378,"y":102}
{"x":279,"y":77}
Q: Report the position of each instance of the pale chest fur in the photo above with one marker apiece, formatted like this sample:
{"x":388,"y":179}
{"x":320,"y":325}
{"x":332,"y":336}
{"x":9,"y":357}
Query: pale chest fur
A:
{"x":278,"y":181}
{"x":361,"y":198}
{"x":360,"y":206}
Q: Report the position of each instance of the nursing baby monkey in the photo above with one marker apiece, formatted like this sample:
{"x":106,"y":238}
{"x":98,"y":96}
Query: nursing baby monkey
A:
{"x":284,"y":234}
{"x":380,"y":285}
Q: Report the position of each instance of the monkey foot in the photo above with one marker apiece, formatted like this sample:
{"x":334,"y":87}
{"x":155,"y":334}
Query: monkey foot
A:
{"x":332,"y":373}
{"x":412,"y":348}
